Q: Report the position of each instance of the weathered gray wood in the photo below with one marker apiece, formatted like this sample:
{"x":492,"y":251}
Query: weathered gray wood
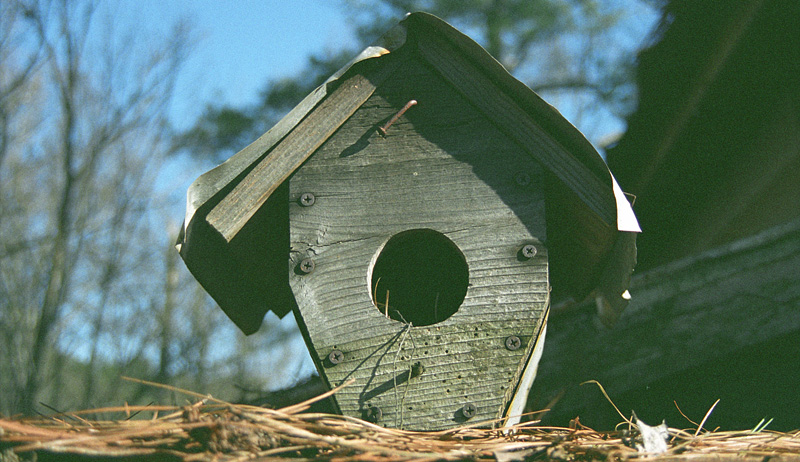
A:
{"x":587,"y":208}
{"x":441,"y":166}
{"x":222,"y":201}
{"x":238,"y":206}
{"x":512,"y":120}
{"x":682,"y":315}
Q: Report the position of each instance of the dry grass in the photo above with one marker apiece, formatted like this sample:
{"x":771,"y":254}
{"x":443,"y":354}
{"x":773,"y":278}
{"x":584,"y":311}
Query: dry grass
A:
{"x":211,"y":429}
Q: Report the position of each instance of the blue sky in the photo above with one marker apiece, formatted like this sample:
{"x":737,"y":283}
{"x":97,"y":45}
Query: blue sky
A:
{"x":241,"y":44}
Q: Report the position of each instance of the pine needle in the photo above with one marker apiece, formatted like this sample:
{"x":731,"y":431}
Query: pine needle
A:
{"x":702,"y":422}
{"x":226,"y":432}
{"x":603,"y":390}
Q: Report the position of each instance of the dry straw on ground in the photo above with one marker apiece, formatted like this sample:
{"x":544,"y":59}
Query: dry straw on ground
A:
{"x":211,"y":429}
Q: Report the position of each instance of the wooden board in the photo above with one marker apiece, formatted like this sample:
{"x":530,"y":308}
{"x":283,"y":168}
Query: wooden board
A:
{"x":501,"y":110}
{"x":694,"y":313}
{"x":442,"y":167}
{"x":581,"y":205}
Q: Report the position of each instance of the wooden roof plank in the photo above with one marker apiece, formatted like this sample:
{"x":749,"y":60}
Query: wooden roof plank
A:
{"x":236,"y":208}
{"x":511,"y":119}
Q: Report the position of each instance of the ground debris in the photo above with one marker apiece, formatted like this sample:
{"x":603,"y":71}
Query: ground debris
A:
{"x":210,"y":429}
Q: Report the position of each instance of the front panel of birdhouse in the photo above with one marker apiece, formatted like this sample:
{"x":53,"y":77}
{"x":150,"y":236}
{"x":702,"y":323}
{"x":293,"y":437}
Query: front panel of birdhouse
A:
{"x":417,"y":259}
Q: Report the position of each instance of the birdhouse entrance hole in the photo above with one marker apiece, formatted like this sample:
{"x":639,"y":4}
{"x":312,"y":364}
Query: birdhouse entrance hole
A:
{"x":419,"y":277}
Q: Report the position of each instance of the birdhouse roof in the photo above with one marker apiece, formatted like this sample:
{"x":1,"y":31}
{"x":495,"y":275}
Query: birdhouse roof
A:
{"x":590,"y":224}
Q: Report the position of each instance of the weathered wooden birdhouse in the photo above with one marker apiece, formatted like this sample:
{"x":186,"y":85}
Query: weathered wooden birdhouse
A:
{"x":414,"y":212}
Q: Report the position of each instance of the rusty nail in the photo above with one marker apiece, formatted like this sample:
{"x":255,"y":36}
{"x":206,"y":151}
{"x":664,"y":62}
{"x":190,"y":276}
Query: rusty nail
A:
{"x":335,"y":357}
{"x":528,"y":251}
{"x":374,"y":414}
{"x":513,"y":342}
{"x":522,"y":178}
{"x":306,"y":265}
{"x":307,"y":199}
{"x":469,"y":410}
{"x":396,"y":116}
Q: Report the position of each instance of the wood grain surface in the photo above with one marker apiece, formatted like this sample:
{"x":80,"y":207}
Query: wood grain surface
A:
{"x":231,"y":214}
{"x":443,"y":167}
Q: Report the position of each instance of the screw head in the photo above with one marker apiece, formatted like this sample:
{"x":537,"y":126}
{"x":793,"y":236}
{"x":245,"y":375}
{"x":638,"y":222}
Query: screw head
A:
{"x":469,"y":410}
{"x":528,"y":251}
{"x":417,"y":369}
{"x":522,"y":178}
{"x":373,"y":414}
{"x":513,"y":343}
{"x":307,"y":199}
{"x":335,"y":357}
{"x":306,"y":266}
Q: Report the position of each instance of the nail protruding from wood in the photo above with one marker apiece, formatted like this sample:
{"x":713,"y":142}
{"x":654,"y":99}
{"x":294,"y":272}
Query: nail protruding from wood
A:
{"x":396,"y":116}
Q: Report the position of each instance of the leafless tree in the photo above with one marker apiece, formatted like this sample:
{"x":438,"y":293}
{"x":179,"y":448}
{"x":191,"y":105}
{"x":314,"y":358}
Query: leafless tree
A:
{"x":76,"y":183}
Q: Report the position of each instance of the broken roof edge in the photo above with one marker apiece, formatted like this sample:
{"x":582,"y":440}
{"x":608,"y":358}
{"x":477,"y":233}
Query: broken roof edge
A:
{"x":550,"y":118}
{"x":209,"y":184}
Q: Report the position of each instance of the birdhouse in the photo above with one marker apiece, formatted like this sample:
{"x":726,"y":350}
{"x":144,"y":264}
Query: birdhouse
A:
{"x":414,"y":212}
